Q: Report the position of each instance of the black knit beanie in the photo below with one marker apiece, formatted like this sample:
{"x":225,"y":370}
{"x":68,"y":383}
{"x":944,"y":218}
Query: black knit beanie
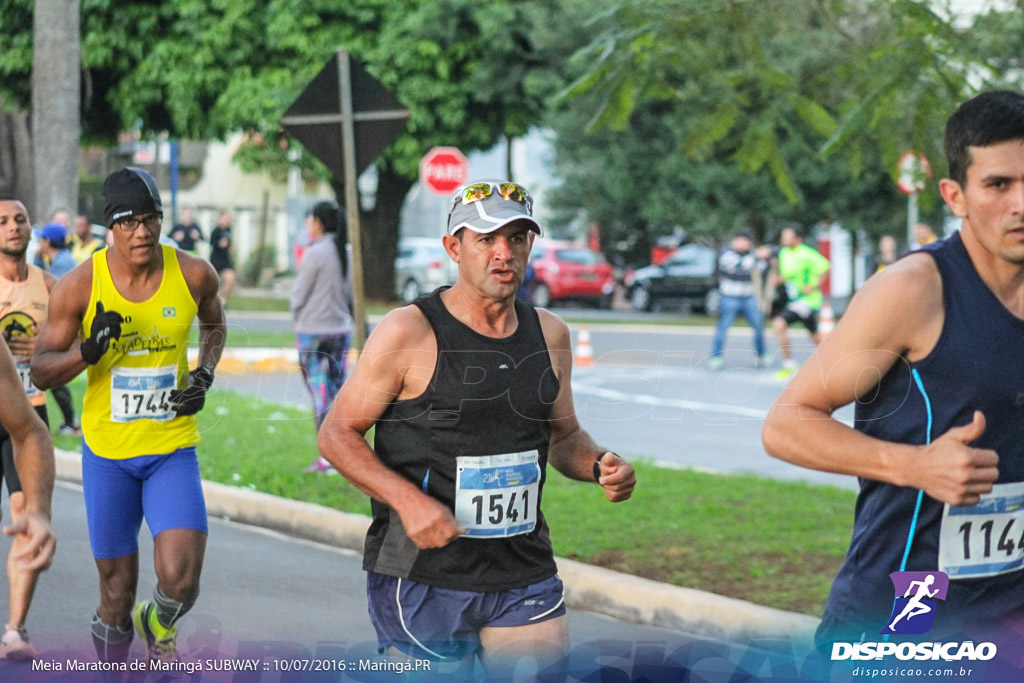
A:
{"x":130,"y":192}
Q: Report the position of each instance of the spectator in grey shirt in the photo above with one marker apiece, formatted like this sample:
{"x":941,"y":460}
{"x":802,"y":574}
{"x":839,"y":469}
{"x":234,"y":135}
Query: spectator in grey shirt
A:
{"x":321,"y":306}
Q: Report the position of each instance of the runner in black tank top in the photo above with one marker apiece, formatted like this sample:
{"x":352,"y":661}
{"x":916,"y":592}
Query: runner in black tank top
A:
{"x":930,"y":348}
{"x":487,"y":396}
{"x":470,"y":394}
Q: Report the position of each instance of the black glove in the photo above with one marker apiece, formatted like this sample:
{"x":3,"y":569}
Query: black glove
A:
{"x":192,"y":398}
{"x":106,"y":326}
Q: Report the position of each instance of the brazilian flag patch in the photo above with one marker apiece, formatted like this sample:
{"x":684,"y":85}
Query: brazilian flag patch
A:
{"x":170,"y":312}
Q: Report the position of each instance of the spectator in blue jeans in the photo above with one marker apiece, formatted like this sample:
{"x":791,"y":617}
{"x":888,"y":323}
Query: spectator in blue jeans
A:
{"x":736,"y":266}
{"x":322,"y":312}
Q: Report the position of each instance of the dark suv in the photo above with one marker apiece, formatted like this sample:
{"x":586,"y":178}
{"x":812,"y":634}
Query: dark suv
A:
{"x":686,"y":277}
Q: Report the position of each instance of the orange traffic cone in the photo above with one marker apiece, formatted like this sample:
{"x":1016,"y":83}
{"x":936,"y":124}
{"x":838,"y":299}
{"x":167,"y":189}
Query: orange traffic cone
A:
{"x":584,"y":354}
{"x":827,"y":323}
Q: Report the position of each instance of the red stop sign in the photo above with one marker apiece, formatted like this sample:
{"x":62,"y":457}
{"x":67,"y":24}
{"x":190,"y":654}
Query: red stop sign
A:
{"x":443,"y":169}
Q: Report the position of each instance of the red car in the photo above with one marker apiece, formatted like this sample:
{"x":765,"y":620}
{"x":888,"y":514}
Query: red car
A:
{"x":562,"y":271}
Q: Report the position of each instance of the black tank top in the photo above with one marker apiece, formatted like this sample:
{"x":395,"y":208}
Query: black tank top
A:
{"x":977,"y":364}
{"x":483,"y":422}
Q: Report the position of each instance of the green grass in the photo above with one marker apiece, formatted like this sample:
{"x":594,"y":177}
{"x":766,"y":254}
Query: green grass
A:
{"x":279,"y":303}
{"x":582,"y":315}
{"x":239,"y":338}
{"x":263,"y":303}
{"x":770,"y":542}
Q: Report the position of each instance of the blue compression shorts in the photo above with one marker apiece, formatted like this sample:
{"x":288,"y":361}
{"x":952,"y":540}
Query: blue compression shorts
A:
{"x":165,"y":489}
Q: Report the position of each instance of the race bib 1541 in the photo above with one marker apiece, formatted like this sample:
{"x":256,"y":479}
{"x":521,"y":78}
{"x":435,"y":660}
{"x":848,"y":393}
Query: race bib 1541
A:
{"x":496,"y":495}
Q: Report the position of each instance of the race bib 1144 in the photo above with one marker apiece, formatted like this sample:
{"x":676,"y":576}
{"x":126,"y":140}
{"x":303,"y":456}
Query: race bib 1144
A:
{"x":984,"y":539}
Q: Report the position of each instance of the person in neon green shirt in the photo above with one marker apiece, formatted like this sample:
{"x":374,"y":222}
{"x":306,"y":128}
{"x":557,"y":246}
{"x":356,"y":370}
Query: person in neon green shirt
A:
{"x":802,"y":270}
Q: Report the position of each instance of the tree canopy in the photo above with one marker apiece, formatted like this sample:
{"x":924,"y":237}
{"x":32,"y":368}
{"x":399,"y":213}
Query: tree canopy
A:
{"x":709,"y":114}
{"x":729,"y":113}
{"x":469,"y":72}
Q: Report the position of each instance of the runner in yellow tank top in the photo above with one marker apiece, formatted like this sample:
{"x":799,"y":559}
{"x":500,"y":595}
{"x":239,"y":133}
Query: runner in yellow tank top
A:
{"x":127,"y":411}
{"x":24,"y":296}
{"x":125,"y":315}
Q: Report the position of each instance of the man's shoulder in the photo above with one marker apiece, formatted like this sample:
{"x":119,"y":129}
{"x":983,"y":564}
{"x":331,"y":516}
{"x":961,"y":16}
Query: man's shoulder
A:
{"x":75,"y":284}
{"x":911,"y":287}
{"x":555,"y":330}
{"x":192,"y":268}
{"x":403,"y":324}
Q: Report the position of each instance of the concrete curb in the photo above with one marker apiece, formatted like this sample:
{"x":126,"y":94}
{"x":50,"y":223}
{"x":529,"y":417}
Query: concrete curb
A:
{"x":586,"y":587}
{"x":237,"y":361}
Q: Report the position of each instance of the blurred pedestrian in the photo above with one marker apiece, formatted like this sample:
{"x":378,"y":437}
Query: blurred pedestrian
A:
{"x":923,"y":234}
{"x":83,"y":243}
{"x":38,"y":258}
{"x":737,"y":264}
{"x":802,"y":271}
{"x":221,"y":248}
{"x":321,"y":306}
{"x":886,"y":254}
{"x":186,"y":234}
{"x":53,"y":244}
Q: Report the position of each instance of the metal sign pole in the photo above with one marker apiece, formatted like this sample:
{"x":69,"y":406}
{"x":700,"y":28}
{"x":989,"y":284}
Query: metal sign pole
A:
{"x":348,"y":139}
{"x":912,"y":218}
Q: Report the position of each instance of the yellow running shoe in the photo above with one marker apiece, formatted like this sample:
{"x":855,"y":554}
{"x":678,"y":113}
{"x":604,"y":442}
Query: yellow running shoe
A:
{"x":784,"y":373}
{"x":156,"y":638}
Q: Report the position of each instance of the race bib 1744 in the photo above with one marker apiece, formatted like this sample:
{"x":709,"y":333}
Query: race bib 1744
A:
{"x":496,"y":495}
{"x":142,"y":393}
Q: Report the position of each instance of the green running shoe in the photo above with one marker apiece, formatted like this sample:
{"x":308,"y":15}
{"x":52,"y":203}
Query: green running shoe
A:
{"x":157,"y":639}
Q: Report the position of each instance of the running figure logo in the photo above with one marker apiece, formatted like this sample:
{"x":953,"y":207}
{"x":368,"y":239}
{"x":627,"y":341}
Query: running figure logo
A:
{"x":913,"y":611}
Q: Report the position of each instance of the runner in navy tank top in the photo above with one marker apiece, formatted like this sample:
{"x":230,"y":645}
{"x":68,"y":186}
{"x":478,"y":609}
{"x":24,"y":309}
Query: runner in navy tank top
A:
{"x":930,"y":348}
{"x":470,"y":394}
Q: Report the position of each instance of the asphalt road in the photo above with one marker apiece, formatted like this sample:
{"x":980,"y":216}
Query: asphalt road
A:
{"x":649,"y":395}
{"x":264,"y":596}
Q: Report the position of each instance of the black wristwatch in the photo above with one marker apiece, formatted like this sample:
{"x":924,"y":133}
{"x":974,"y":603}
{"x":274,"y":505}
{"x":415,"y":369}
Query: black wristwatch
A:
{"x":597,"y":467}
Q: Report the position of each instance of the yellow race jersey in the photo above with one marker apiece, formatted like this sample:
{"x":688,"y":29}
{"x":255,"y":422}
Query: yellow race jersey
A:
{"x":127,"y":412}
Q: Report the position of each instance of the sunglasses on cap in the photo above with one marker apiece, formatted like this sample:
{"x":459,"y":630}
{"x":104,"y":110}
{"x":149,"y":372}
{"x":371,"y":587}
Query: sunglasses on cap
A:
{"x":480,"y":191}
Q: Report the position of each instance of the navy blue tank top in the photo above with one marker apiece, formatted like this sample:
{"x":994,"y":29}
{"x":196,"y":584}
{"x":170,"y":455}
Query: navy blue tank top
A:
{"x":487,"y":398}
{"x":977,"y":364}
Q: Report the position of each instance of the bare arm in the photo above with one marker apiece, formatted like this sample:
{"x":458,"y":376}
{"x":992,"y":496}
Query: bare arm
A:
{"x":896,"y":317}
{"x":572,"y":451}
{"x":58,"y":356}
{"x":203,"y":284}
{"x":400,"y":353}
{"x":33,"y":458}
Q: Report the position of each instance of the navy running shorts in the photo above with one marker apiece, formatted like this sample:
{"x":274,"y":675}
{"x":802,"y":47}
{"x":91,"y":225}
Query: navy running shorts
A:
{"x":428,"y":622}
{"x":165,"y":489}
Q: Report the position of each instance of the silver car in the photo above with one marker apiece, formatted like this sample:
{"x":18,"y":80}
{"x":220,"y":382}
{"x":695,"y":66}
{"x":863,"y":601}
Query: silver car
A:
{"x":421,"y":266}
